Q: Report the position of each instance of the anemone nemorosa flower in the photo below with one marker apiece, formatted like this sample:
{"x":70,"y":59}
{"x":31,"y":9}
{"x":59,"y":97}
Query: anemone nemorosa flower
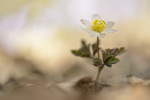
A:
{"x":97,"y":27}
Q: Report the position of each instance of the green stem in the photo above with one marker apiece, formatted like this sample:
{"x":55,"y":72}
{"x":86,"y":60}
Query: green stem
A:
{"x":98,"y":47}
{"x":98,"y":73}
{"x":100,"y":67}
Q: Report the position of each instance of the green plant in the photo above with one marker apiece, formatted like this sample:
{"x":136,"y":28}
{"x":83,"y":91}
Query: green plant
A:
{"x":101,"y":57}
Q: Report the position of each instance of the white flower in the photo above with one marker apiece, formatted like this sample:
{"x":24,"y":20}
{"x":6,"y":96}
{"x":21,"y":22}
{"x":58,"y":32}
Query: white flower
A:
{"x":97,"y":27}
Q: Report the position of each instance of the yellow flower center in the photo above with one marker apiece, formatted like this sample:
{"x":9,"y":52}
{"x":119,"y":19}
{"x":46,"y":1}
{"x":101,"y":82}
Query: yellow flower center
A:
{"x":99,"y":25}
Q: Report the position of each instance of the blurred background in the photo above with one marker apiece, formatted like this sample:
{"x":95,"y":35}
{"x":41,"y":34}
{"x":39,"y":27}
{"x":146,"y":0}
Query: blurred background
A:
{"x":36,"y":36}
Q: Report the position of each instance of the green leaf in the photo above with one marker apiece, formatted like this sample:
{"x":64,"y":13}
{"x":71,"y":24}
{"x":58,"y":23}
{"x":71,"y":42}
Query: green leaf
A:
{"x":97,"y":61}
{"x":120,"y":51}
{"x":114,"y":52}
{"x":81,"y":53}
{"x":110,"y":60}
{"x":84,"y":51}
{"x":76,"y":52}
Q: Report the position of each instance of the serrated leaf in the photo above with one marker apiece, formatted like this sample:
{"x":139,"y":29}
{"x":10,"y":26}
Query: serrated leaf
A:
{"x":97,"y":61}
{"x":114,"y":52}
{"x":110,"y":60}
{"x":120,"y":51}
{"x":83,"y":51}
{"x":115,"y":60}
{"x":75,"y":52}
{"x":83,"y":42}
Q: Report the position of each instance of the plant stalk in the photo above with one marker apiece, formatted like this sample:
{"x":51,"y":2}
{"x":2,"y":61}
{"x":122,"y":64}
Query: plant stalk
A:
{"x":98,"y":73}
{"x":100,"y":67}
{"x":98,"y":47}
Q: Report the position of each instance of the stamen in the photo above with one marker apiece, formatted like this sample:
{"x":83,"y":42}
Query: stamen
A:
{"x":99,"y":25}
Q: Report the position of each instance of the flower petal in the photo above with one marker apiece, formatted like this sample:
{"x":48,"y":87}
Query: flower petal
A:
{"x":97,"y":34}
{"x":110,"y":31}
{"x":93,"y":33}
{"x":96,"y":16}
{"x":85,"y":22}
{"x":110,"y":24}
{"x":101,"y":35}
{"x":87,"y":28}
